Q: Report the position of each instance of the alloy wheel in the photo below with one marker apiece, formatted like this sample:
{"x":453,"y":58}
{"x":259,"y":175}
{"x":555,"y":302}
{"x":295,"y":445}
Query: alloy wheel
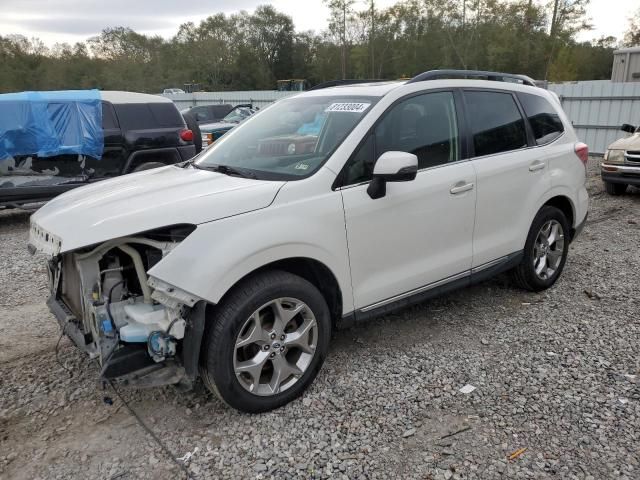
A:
{"x":275,"y":346}
{"x":548,"y":249}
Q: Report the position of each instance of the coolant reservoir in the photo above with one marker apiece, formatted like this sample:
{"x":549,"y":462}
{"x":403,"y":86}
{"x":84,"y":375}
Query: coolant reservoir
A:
{"x":142,"y":319}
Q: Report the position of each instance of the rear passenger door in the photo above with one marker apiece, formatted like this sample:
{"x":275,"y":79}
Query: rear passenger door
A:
{"x":512,"y":176}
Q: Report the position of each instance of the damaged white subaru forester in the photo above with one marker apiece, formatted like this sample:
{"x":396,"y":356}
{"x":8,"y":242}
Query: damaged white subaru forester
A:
{"x":323,"y":209}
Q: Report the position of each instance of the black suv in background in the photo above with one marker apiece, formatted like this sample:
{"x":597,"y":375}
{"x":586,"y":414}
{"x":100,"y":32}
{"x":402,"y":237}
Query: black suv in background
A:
{"x":140,"y":132}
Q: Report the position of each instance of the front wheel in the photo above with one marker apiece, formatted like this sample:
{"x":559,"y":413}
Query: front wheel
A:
{"x":267,"y":342}
{"x":545,"y":251}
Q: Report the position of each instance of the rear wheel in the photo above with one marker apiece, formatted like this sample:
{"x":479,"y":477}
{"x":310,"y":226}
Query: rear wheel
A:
{"x":545,"y":251}
{"x":615,"y":188}
{"x":267,"y":342}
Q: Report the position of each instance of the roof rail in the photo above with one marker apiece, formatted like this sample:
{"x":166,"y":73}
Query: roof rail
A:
{"x":337,"y":83}
{"x":479,"y":74}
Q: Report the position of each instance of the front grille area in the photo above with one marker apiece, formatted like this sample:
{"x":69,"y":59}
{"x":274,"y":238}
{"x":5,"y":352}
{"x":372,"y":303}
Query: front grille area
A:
{"x":273,"y":148}
{"x":632,"y":156}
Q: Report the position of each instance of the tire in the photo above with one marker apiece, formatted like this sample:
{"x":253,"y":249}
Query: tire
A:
{"x":242,"y":354}
{"x":526,"y":274}
{"x":149,"y":166}
{"x":615,"y":188}
{"x":192,"y":125}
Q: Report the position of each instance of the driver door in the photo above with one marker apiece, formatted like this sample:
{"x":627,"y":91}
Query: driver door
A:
{"x":419,"y":235}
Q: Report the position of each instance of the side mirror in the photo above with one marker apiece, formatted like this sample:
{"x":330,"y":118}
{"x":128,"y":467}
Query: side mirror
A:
{"x":392,"y":167}
{"x":628,"y":128}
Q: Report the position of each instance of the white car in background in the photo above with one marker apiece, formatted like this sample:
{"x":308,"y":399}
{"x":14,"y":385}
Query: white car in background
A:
{"x":324,"y":209}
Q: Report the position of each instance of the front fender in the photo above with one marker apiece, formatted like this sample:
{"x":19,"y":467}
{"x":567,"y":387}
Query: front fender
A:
{"x":219,"y":254}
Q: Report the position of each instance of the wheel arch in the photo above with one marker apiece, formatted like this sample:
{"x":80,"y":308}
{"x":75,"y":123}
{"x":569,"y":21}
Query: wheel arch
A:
{"x":312,"y":270}
{"x":166,"y":155}
{"x":565,"y":205}
{"x":561,"y":198}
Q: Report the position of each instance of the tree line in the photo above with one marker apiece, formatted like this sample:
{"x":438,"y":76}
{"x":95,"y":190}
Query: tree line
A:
{"x":246,"y":51}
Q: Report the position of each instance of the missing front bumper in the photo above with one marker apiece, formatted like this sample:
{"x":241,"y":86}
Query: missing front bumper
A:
{"x":131,"y":366}
{"x":128,"y":365}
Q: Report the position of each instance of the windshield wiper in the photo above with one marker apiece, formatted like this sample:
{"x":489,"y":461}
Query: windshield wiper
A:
{"x":227,"y":170}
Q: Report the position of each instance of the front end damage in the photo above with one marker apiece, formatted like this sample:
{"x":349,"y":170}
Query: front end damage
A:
{"x":142,"y":331}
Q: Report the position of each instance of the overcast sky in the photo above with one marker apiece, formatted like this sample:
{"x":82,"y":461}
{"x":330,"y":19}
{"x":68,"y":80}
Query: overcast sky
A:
{"x":76,"y":20}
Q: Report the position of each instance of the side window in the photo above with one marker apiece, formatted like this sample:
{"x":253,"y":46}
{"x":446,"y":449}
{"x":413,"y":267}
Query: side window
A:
{"x":166,"y":115}
{"x":495,"y":121}
{"x":543,"y":118}
{"x":201,"y":113}
{"x":424,"y":125}
{"x":360,"y":166}
{"x":134,"y":116}
{"x":141,"y":116}
{"x":108,"y":118}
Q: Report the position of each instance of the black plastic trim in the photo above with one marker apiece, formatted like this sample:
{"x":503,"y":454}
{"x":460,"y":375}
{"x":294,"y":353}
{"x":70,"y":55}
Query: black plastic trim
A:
{"x":465,"y":139}
{"x":361,"y":315}
{"x":578,"y":230}
{"x":507,"y":263}
{"x":531,"y":138}
{"x":193,"y":340}
{"x":476,"y":275}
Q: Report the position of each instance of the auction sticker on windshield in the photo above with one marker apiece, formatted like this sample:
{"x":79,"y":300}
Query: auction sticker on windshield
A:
{"x":348,"y":107}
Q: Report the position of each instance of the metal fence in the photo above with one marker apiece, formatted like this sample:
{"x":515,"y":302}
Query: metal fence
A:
{"x":259,"y":98}
{"x":598,"y":108}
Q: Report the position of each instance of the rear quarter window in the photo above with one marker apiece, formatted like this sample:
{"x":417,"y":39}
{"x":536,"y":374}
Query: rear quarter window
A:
{"x":143,"y":116}
{"x":495,"y":121}
{"x":543,"y":118}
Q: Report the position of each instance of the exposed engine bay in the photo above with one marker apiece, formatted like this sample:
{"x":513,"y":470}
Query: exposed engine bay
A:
{"x":106,"y":303}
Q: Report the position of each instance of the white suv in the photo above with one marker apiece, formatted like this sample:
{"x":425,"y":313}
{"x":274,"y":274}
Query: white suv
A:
{"x":325,"y":208}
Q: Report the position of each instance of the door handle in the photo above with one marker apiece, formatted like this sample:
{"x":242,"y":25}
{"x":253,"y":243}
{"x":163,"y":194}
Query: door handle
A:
{"x":461,"y":187}
{"x":537,"y":165}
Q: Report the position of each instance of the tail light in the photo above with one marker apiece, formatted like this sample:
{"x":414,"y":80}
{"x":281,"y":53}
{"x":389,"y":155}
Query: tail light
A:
{"x":582,"y":152}
{"x":186,"y":135}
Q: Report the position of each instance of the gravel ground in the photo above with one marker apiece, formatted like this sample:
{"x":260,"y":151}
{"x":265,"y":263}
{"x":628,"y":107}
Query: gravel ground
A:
{"x":557,"y":378}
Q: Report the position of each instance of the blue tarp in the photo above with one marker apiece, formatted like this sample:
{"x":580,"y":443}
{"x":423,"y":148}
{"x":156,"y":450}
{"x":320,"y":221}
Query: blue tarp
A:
{"x":51,"y":123}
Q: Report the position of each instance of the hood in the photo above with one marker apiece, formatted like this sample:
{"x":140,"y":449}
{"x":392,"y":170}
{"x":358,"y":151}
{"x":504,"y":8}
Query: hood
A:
{"x":144,"y":201}
{"x":627,"y":143}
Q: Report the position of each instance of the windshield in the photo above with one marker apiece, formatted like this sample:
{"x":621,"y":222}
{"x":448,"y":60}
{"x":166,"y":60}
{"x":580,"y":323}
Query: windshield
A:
{"x":290,"y":139}
{"x":237,"y":115}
